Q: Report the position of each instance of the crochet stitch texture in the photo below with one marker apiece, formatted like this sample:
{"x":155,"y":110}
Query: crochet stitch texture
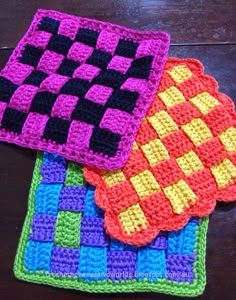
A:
{"x":80,"y":87}
{"x":183,"y":159}
{"x":64,"y":244}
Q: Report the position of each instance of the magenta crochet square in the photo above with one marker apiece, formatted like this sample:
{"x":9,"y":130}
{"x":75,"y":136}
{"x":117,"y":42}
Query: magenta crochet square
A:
{"x":87,"y":72}
{"x":80,"y":88}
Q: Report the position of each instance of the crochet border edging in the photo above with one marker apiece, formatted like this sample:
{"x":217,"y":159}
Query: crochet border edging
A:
{"x":163,"y":286}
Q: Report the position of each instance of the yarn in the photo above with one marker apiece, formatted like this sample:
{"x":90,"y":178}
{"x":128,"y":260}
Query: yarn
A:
{"x":80,"y":87}
{"x":182,"y":161}
{"x":65,"y":243}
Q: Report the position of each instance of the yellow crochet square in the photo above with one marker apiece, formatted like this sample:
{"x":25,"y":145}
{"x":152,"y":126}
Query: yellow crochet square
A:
{"x":180,"y":73}
{"x":155,"y":152}
{"x":171,"y":96}
{"x":224,"y":173}
{"x":204,"y":102}
{"x":145,"y":184}
{"x":113,"y":178}
{"x":197,"y":131}
{"x":162,"y":123}
{"x":133,"y":219}
{"x":189,"y":163}
{"x":228,"y":139}
{"x":179,"y":195}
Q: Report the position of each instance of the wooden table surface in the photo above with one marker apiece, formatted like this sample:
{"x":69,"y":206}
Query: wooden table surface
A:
{"x":202,"y":29}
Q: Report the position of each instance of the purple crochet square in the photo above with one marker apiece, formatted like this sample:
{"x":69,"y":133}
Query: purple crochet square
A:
{"x":120,"y":63}
{"x":121,"y":265}
{"x":79,"y":135}
{"x":99,"y":94}
{"x":43,"y":228}
{"x":79,"y":52}
{"x":53,"y":172}
{"x":53,"y":84}
{"x":50,"y":62}
{"x":116,"y":120}
{"x":64,"y":106}
{"x":67,"y":55}
{"x":160,"y":242}
{"x":86,"y":72}
{"x":23,"y":97}
{"x":34,"y":127}
{"x":68,"y":28}
{"x":64,"y":261}
{"x":41,"y":39}
{"x":17,"y":72}
{"x":179,"y":267}
{"x":92,"y":232}
{"x":107,"y":41}
{"x":72,"y":198}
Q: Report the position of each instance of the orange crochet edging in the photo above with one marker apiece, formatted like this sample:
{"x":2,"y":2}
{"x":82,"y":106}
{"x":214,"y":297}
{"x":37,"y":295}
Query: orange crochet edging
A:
{"x":182,"y":161}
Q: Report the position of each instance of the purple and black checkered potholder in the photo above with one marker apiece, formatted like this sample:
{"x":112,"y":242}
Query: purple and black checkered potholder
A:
{"x":80,"y":87}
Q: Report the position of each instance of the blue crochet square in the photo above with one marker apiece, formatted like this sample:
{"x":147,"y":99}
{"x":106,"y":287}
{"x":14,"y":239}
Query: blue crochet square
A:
{"x":38,"y":256}
{"x":47,"y":198}
{"x":93,"y":263}
{"x":151,"y":264}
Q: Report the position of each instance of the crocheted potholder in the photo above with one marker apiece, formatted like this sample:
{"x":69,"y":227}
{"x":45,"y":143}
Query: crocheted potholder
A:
{"x":183,"y":159}
{"x":80,"y":87}
{"x":64,"y":243}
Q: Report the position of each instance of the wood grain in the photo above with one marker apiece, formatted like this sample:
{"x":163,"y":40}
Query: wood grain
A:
{"x":191,"y":24}
{"x":188,"y":22}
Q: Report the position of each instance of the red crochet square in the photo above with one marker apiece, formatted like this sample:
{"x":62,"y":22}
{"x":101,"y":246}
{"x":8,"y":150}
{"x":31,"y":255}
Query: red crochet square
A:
{"x":183,"y":113}
{"x":136,"y":164}
{"x":211,"y":152}
{"x":145,"y":134}
{"x":177,"y":143}
{"x":167,"y":172}
{"x":126,"y":194}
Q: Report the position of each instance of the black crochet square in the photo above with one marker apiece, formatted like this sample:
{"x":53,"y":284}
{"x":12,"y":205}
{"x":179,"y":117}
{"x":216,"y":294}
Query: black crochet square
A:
{"x":35,"y":78}
{"x":56,"y":130}
{"x":111,"y":78}
{"x":126,"y":48}
{"x":43,"y":103}
{"x":123,"y":100}
{"x":141,"y":67}
{"x":104,"y":141}
{"x":7,"y":89}
{"x":76,"y":87}
{"x":87,"y":36}
{"x":13,"y":120}
{"x":99,"y":59}
{"x":88,"y":112}
{"x":31,"y":55}
{"x":68,"y":67}
{"x":60,"y":44}
{"x":49,"y":25}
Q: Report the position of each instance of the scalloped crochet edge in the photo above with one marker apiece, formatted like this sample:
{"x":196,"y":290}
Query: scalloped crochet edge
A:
{"x":227,"y":194}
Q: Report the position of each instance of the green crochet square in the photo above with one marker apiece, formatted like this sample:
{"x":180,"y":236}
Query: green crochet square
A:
{"x":74,"y":176}
{"x":68,"y":229}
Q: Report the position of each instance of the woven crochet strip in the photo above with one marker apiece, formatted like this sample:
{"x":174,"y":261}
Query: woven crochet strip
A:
{"x":64,"y":244}
{"x":80,"y":87}
{"x":183,"y":159}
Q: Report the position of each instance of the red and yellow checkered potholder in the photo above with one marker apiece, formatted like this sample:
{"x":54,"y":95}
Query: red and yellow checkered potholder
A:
{"x":183,"y":159}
